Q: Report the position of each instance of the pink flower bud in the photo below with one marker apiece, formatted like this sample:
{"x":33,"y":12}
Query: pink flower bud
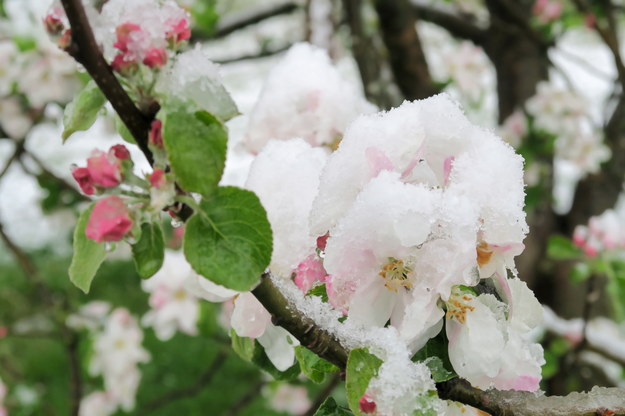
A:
{"x":104,"y":169}
{"x":590,"y":20}
{"x":322,"y":241}
{"x":65,"y":40}
{"x":155,"y":137}
{"x":82,"y":177}
{"x":157,"y":178}
{"x":367,"y":405}
{"x":122,"y":64}
{"x":308,"y":272}
{"x":155,"y":57}
{"x":120,"y":152}
{"x":53,"y":21}
{"x":109,"y":220}
{"x":123,"y":32}
{"x":179,"y":31}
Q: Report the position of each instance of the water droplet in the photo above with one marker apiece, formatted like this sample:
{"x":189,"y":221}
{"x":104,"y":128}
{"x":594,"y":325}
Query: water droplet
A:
{"x":176,"y":223}
{"x":109,"y":246}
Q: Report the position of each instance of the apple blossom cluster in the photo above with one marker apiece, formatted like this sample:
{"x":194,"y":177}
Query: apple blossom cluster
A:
{"x":117,"y":353}
{"x":604,"y":232}
{"x":305,"y":96}
{"x":173,"y":306}
{"x":417,"y":213}
{"x":129,"y":197}
{"x":29,"y":80}
{"x":564,"y":114}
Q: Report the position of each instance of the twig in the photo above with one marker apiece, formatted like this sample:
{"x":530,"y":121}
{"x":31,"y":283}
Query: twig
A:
{"x":323,"y":394}
{"x":262,"y":54}
{"x":19,"y":148}
{"x":228,"y":24}
{"x":194,"y":389}
{"x":245,"y":399}
{"x":75,"y":378}
{"x":517,"y":17}
{"x":456,"y":25}
{"x":84,"y":49}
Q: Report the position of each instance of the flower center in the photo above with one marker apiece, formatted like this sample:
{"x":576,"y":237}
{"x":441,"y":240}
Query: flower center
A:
{"x":484,"y":253}
{"x":395,"y":273}
{"x":457,"y":307}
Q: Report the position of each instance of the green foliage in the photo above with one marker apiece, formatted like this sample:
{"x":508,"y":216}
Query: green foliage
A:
{"x":205,"y":16}
{"x":149,"y":251}
{"x":361,"y":368}
{"x":123,"y":130}
{"x":562,"y":248}
{"x":88,"y":255}
{"x":229,"y":240}
{"x":57,"y":194}
{"x":319,"y":290}
{"x":82,"y":112}
{"x":435,"y":355}
{"x":331,"y":408}
{"x":312,"y":365}
{"x":580,"y":272}
{"x":243,"y":346}
{"x":196,"y":145}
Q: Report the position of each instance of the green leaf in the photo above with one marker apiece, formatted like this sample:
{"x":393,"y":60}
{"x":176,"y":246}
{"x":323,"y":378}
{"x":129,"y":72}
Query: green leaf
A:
{"x":330,"y":408}
{"x":229,"y":240}
{"x":562,"y":248}
{"x":149,"y":252}
{"x":361,"y":368}
{"x":319,"y":290}
{"x":88,"y":255}
{"x":196,"y":146}
{"x":82,"y":112}
{"x":438,"y":370}
{"x":435,"y":354}
{"x":580,"y":272}
{"x":312,"y":365}
{"x":243,"y":346}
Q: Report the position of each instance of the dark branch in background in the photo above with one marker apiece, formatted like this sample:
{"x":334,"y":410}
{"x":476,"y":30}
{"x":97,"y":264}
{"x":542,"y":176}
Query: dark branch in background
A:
{"x":405,"y":52}
{"x":19,"y":148}
{"x":323,"y":394}
{"x":456,"y":25}
{"x":194,"y":389}
{"x":230,"y":24}
{"x":75,"y":378}
{"x":367,"y":56}
{"x":264,"y":53}
{"x":518,"y":17}
{"x":84,"y":49}
{"x":246,"y":399}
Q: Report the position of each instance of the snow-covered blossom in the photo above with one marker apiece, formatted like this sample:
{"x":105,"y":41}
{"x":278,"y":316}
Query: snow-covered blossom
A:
{"x":173,"y":306}
{"x":603,"y":232}
{"x":564,"y":114}
{"x":285,"y":176}
{"x":290,"y":399}
{"x":117,"y":351}
{"x":486,"y":343}
{"x":109,"y":221}
{"x":140,"y":31}
{"x":9,"y":67}
{"x":304,"y":96}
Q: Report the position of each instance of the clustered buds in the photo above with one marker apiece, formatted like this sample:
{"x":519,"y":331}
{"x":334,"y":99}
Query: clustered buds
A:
{"x":104,"y":170}
{"x":603,"y":232}
{"x":109,"y":221}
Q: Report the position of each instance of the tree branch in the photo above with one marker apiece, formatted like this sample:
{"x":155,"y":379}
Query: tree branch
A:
{"x":84,"y":49}
{"x":454,"y":24}
{"x":228,"y":24}
{"x":194,"y":389}
{"x":405,"y":52}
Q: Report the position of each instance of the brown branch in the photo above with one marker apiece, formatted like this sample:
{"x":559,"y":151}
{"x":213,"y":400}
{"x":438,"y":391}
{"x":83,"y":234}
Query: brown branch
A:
{"x":19,"y":148}
{"x":230,"y":24}
{"x":84,"y":49}
{"x":405,"y":53}
{"x":517,"y":15}
{"x":457,"y":26}
{"x":194,"y":389}
{"x":264,"y":53}
{"x":323,"y":394}
{"x":245,"y":399}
